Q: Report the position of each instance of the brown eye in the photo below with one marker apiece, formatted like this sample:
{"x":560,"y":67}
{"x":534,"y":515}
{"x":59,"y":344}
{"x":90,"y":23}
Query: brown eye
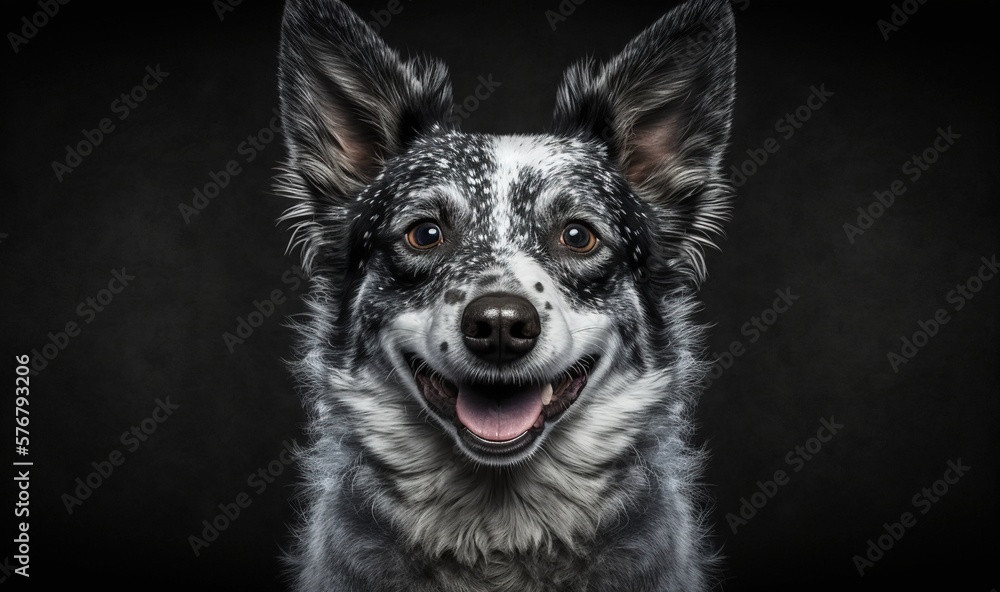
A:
{"x":578,"y":238}
{"x":424,"y":235}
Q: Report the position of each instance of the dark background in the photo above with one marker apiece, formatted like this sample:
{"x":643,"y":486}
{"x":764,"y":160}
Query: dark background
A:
{"x":162,"y":336}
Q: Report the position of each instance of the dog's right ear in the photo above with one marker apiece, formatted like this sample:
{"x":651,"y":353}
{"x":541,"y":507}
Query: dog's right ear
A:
{"x":662,"y":109}
{"x":348,"y":104}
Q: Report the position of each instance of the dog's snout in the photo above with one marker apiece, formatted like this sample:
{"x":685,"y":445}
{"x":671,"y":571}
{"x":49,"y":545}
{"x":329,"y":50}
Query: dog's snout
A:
{"x":500,"y":327}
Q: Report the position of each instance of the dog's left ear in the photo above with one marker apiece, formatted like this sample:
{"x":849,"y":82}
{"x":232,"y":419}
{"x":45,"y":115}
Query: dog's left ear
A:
{"x":662,"y":108}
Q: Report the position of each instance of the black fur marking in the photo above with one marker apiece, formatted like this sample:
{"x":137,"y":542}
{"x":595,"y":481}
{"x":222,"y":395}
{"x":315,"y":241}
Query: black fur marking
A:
{"x":490,"y":278}
{"x":454,"y":296}
{"x":444,"y":346}
{"x":540,"y":287}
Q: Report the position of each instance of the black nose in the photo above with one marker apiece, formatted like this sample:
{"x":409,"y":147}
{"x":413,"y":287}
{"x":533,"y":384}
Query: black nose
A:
{"x":500,"y":327}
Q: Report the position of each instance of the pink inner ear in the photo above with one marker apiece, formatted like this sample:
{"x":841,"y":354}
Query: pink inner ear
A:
{"x":652,"y":146}
{"x":358,"y":152}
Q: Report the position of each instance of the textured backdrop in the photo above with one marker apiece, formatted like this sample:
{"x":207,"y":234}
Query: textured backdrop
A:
{"x":851,"y":416}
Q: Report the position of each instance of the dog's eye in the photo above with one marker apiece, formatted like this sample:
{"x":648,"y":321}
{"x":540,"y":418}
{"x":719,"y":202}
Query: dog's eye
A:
{"x":578,"y":238}
{"x":424,"y":235}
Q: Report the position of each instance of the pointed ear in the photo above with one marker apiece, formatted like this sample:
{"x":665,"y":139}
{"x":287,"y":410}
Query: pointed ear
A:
{"x":348,"y":104}
{"x":662,"y":108}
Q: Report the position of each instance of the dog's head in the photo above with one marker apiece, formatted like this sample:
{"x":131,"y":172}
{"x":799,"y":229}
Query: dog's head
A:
{"x":503,"y":285}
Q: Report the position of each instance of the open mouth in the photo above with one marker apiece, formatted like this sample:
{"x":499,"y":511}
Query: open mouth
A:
{"x":500,"y":419}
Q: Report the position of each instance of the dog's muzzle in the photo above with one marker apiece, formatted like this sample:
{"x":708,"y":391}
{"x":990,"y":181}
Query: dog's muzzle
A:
{"x":498,"y":420}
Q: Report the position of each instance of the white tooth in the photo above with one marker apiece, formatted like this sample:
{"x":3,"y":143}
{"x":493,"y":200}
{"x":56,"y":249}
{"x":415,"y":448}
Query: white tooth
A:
{"x":547,"y":394}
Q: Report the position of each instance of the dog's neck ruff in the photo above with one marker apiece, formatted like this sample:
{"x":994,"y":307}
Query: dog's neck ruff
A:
{"x":445,"y":505}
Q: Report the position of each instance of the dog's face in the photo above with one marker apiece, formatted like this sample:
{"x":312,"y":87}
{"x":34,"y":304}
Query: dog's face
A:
{"x":510,"y":288}
{"x":499,"y":279}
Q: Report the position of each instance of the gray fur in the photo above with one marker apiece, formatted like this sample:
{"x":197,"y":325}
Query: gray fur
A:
{"x":605,"y":498}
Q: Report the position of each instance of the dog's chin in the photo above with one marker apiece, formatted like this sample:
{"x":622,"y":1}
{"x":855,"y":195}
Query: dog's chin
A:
{"x":500,"y":423}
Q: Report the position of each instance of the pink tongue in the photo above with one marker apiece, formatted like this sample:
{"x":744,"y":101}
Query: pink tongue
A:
{"x":498,"y":416}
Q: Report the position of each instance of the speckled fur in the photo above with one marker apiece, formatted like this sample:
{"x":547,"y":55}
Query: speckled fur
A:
{"x":605,"y":500}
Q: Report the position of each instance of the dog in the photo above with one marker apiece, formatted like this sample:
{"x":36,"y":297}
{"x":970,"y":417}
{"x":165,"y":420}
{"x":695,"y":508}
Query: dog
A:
{"x":498,"y":360}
